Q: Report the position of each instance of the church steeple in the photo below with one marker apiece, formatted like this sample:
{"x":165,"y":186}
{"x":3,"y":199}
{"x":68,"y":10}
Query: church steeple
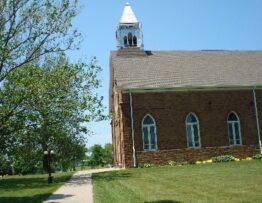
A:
{"x":129,"y":30}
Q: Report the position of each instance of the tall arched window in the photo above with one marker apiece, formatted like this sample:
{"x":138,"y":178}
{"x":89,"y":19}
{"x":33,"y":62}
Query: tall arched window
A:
{"x":130,"y":39}
{"x":125,"y":41}
{"x":135,"y":41}
{"x":192,"y":131}
{"x":234,"y":132}
{"x":149,"y":133}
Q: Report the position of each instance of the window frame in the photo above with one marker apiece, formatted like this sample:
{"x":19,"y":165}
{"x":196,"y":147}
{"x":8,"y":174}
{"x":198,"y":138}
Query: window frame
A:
{"x":191,"y":124}
{"x":233,"y":128}
{"x":149,"y":137}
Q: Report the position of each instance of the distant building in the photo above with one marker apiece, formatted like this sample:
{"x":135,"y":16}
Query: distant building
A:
{"x":181,"y":105}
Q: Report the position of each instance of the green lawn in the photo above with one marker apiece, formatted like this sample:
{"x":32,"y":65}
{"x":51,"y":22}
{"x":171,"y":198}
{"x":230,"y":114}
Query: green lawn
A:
{"x":218,"y":182}
{"x":31,"y":188}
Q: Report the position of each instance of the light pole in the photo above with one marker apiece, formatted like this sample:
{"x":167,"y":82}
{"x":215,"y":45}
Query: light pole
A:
{"x":49,"y":154}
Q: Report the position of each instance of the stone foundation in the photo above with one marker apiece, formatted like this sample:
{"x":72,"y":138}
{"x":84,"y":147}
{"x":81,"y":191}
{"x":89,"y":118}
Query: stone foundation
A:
{"x":161,"y":157}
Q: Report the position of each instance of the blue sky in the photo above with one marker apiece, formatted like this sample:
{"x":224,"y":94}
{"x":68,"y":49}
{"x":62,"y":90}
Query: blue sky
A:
{"x":167,"y":25}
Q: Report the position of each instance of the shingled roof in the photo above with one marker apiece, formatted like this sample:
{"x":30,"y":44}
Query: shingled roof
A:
{"x":186,"y":69}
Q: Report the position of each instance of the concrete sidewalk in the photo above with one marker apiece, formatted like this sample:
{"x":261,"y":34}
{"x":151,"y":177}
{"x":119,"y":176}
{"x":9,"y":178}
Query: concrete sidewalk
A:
{"x":78,"y":189}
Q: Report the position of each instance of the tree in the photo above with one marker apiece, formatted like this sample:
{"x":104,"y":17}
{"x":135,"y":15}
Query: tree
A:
{"x":97,"y":156}
{"x":101,"y":156}
{"x":50,"y":105}
{"x":108,"y":150}
{"x":30,"y":29}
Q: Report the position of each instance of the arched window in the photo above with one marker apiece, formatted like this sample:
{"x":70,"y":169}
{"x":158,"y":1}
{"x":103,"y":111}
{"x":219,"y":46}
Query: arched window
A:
{"x":135,"y":41}
{"x":149,"y":133}
{"x":130,"y":38}
{"x":234,"y":132}
{"x":192,"y":131}
{"x":125,"y":41}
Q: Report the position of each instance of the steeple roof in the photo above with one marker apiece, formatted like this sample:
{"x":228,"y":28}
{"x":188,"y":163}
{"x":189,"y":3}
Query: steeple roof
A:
{"x":128,"y":15}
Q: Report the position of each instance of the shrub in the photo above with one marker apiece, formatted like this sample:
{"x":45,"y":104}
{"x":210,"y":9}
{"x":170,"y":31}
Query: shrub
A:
{"x":257,"y":156}
{"x":145,"y":165}
{"x":208,"y":161}
{"x":171,"y":163}
{"x":223,"y":158}
{"x":237,"y":159}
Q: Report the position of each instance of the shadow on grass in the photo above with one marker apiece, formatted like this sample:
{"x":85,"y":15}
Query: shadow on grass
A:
{"x":28,"y":199}
{"x":163,"y":201}
{"x":21,"y":183}
{"x":111,"y":176}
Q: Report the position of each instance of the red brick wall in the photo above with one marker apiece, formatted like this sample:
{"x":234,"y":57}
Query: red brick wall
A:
{"x":170,"y":109}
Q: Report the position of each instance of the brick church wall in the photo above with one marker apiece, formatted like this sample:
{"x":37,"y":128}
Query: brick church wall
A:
{"x":170,"y":109}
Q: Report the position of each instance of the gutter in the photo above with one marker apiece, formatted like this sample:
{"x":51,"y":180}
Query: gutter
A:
{"x":132,"y":128}
{"x":189,"y":88}
{"x":257,"y":119}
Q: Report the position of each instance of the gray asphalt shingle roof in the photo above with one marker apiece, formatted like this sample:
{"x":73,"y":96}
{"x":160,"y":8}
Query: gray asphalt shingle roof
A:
{"x":185,"y":69}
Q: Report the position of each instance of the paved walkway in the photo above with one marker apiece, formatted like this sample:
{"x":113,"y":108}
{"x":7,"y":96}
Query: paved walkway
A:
{"x":78,"y":189}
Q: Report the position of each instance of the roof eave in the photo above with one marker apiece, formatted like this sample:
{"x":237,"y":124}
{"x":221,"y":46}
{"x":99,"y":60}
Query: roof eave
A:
{"x":188,"y":88}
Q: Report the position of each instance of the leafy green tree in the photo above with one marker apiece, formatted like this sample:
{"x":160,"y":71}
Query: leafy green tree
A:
{"x":30,"y":29}
{"x":97,"y":156}
{"x":108,"y":150}
{"x":50,"y":106}
{"x":4,"y":165}
{"x":101,"y":156}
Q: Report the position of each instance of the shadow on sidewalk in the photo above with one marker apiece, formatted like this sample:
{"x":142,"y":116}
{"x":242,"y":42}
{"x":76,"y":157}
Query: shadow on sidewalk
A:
{"x":79,"y":179}
{"x":58,"y":197}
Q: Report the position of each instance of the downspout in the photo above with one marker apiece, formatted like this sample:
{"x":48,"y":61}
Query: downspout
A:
{"x":257,"y":119}
{"x":132,"y":128}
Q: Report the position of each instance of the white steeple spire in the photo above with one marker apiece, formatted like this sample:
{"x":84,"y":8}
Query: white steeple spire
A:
{"x":129,"y":30}
{"x":128,"y":15}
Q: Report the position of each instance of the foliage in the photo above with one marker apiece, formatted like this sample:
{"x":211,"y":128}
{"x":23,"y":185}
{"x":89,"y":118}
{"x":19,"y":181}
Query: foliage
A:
{"x":45,"y":101}
{"x":100,"y":156}
{"x":108,"y":153}
{"x":31,"y":29}
{"x":224,"y":182}
{"x":257,"y":156}
{"x":46,"y":108}
{"x":30,"y":188}
{"x":171,"y":163}
{"x":204,"y":162}
{"x":223,"y":158}
{"x":4,"y":165}
{"x":145,"y":165}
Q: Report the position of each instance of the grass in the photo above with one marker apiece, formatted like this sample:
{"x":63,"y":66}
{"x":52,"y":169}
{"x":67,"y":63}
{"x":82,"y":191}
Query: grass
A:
{"x":30,"y":188}
{"x":217,"y":182}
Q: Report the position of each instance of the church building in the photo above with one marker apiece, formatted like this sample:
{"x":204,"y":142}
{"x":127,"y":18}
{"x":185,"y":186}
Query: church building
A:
{"x":181,"y":105}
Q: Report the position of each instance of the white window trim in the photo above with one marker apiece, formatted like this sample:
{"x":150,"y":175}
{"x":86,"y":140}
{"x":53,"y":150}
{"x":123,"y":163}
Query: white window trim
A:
{"x":148,"y":128}
{"x":239,"y":129}
{"x":192,"y":130}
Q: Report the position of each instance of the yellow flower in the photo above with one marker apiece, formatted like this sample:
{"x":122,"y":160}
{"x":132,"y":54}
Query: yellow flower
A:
{"x":248,"y":158}
{"x":198,"y":162}
{"x":209,"y":161}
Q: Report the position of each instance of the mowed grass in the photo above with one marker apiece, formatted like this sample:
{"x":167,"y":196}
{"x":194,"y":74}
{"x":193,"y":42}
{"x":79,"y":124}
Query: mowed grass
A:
{"x":217,"y":182}
{"x":30,"y":188}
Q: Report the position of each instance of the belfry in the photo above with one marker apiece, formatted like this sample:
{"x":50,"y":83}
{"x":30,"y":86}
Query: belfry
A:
{"x":129,"y":30}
